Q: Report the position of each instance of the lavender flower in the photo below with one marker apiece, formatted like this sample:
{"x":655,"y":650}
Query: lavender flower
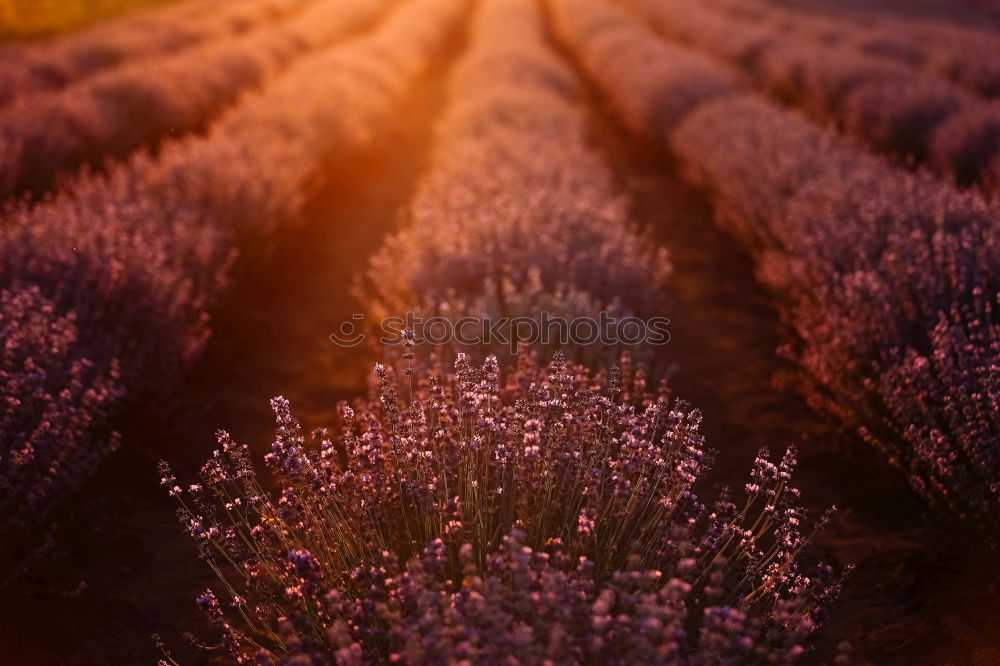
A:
{"x":52,"y":417}
{"x":434,"y":534}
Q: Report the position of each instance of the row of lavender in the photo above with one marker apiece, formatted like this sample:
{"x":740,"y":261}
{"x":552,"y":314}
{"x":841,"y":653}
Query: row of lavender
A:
{"x":516,"y":215}
{"x":889,"y":279}
{"x":911,"y":114}
{"x":111,"y":114}
{"x":544,"y":515}
{"x":107,"y":285}
{"x":967,"y":56}
{"x":27,"y":69}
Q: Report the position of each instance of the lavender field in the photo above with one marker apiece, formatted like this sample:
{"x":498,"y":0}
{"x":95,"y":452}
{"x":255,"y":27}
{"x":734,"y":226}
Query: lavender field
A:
{"x":342,"y":332}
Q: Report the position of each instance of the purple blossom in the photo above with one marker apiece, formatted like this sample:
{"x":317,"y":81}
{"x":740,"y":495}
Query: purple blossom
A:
{"x":55,"y":403}
{"x":481,"y":549}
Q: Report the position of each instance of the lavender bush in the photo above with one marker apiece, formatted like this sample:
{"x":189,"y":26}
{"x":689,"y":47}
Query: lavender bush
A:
{"x":888,"y":279}
{"x":136,"y":257}
{"x":907,"y":113}
{"x":111,"y":114}
{"x":516,"y":214}
{"x":53,"y":416}
{"x":27,"y":69}
{"x":545,"y":516}
{"x":965,"y":55}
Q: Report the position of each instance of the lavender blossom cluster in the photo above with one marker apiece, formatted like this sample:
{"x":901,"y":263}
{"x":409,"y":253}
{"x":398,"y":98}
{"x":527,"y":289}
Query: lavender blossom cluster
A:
{"x":53,"y":416}
{"x":547,"y":516}
{"x":143,"y":102}
{"x":914,"y":115}
{"x":28,"y":69}
{"x":516,"y":214}
{"x":134,"y":259}
{"x":887,"y":279}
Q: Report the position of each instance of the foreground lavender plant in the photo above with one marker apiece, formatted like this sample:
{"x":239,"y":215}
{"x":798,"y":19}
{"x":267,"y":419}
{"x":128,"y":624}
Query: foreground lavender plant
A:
{"x":549,"y":514}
